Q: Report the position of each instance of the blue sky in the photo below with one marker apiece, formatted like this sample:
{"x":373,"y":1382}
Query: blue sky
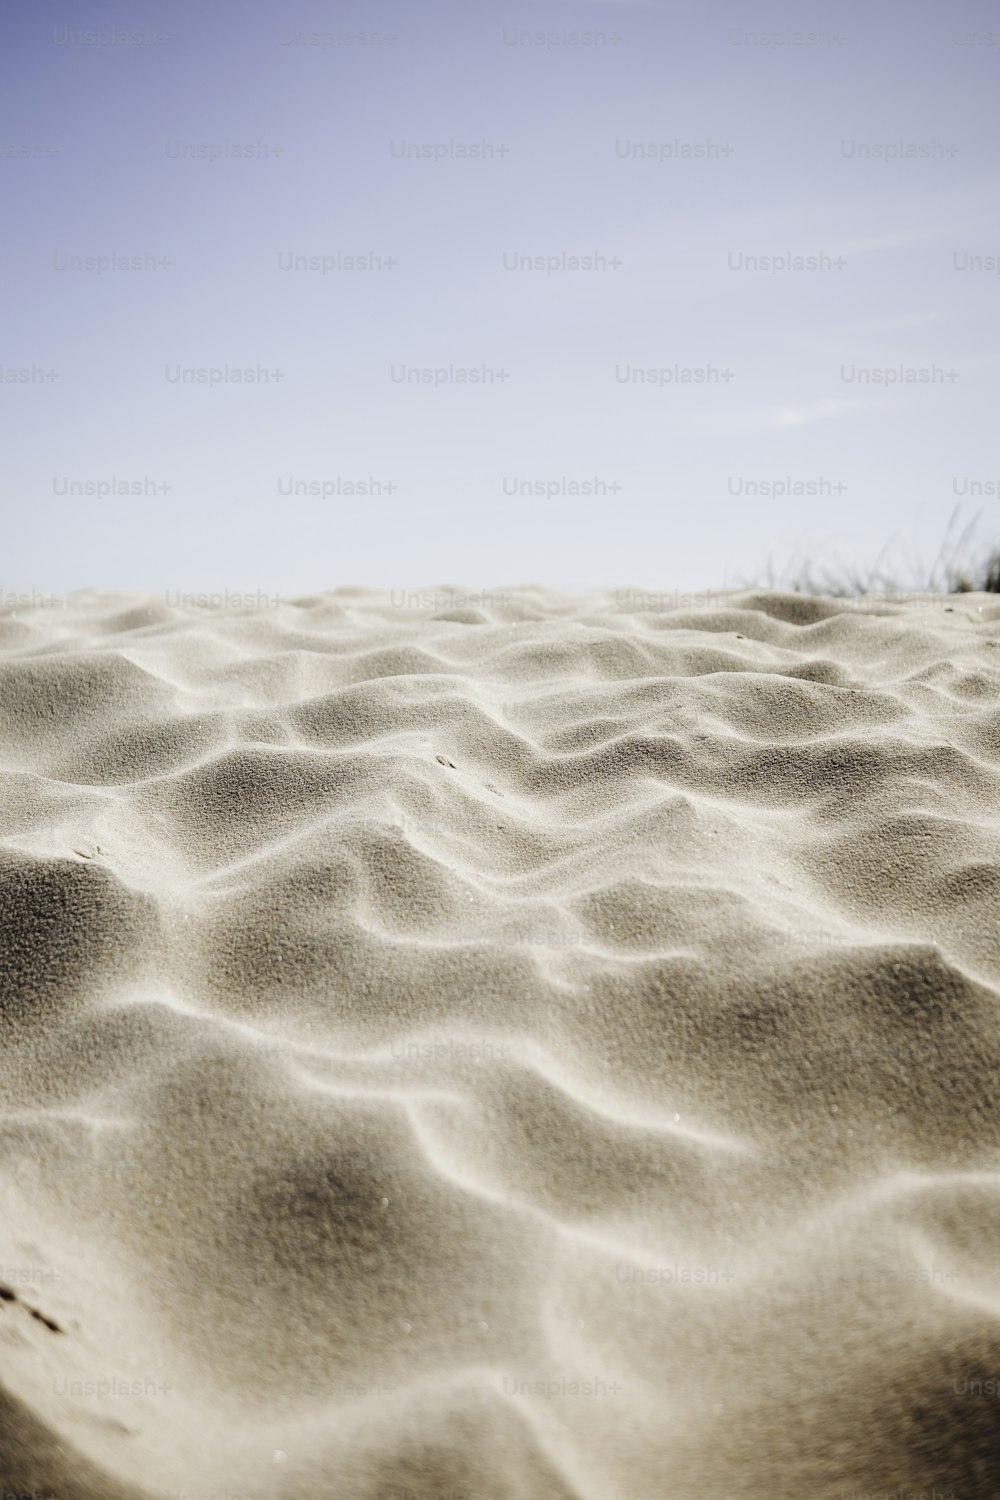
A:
{"x":764,"y":322}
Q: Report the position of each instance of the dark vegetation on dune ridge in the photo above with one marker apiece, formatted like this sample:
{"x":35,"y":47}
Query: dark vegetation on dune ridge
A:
{"x":962,"y":566}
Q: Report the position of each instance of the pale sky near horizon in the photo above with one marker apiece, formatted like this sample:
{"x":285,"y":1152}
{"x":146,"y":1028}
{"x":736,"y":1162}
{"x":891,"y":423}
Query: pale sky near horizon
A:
{"x":677,"y":373}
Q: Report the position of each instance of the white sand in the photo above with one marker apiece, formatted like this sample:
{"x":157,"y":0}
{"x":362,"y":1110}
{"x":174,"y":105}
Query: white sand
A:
{"x":522,"y":1051}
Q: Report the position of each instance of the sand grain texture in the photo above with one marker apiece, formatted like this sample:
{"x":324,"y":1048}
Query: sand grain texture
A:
{"x":538,"y":1051}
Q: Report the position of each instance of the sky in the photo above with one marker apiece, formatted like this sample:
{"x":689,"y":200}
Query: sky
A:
{"x":578,"y":292}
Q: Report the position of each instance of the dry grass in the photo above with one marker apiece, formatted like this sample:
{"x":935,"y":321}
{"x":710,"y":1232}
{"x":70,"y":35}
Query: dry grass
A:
{"x":962,"y":565}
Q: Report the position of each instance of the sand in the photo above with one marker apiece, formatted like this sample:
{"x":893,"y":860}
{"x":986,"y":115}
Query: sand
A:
{"x":527,"y":1047}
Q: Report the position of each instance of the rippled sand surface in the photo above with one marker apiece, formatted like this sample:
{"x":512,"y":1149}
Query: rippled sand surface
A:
{"x":542,"y":1049}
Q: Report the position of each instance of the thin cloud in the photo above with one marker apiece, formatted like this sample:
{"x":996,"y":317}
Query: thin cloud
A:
{"x":899,"y":239}
{"x":754,"y":421}
{"x":866,"y":335}
{"x":817,"y":411}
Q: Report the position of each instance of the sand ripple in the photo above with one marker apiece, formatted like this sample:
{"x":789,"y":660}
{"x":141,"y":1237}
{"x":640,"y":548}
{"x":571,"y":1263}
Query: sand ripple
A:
{"x":543,"y":1049}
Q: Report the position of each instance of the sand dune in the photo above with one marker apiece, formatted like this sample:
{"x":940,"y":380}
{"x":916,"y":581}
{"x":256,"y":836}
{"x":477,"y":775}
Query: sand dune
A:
{"x":526,"y":1047}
